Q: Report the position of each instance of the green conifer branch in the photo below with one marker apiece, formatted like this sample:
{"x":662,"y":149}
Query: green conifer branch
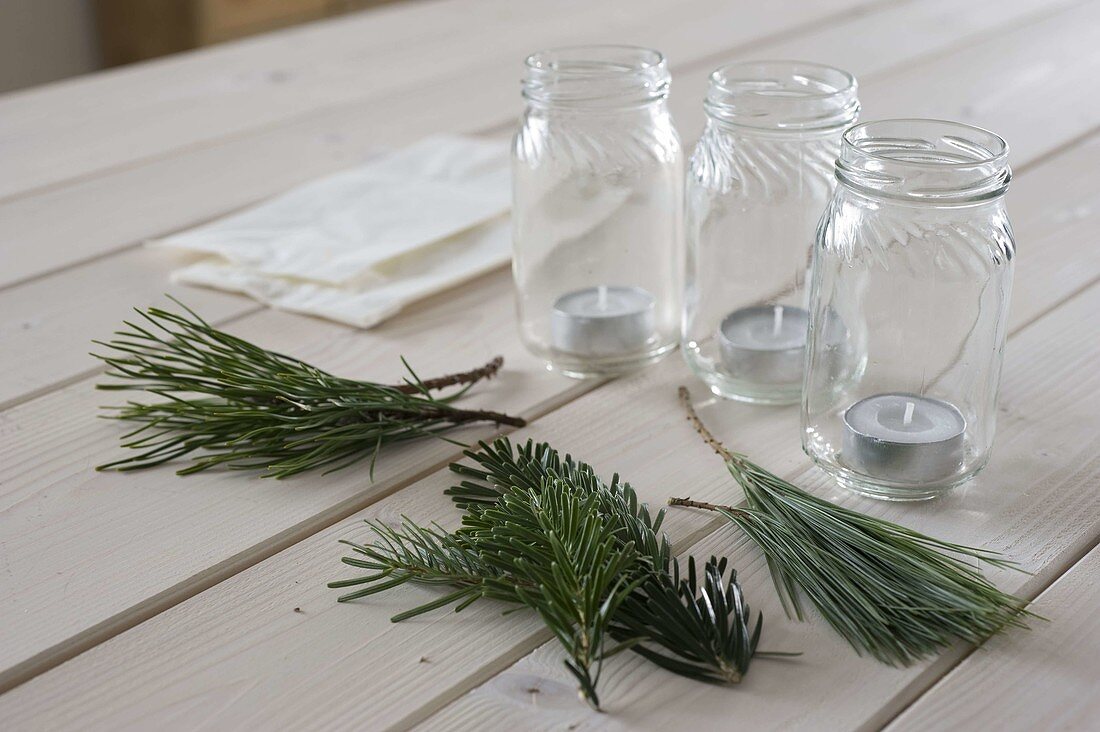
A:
{"x":244,"y":407}
{"x":888,"y":590}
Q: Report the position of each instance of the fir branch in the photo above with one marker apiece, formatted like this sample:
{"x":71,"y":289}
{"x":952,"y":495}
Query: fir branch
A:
{"x":427,"y":556}
{"x":888,"y":590}
{"x":699,"y":631}
{"x":543,"y":531}
{"x":249,"y":408}
{"x":569,"y":564}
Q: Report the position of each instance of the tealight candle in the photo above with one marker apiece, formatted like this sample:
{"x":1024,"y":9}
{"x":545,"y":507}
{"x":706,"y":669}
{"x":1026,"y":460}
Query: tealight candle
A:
{"x":603,"y":321}
{"x":765,"y":344}
{"x":904,"y":438}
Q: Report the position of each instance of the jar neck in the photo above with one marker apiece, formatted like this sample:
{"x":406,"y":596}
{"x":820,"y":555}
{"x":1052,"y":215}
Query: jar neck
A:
{"x":782,"y":97}
{"x":596,"y":79}
{"x":924,"y":161}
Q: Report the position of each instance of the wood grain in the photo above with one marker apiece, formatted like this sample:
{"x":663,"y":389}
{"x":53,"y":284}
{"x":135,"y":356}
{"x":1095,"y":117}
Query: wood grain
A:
{"x":82,"y":442}
{"x":187,"y":100}
{"x":81,"y":547}
{"x":49,"y":465}
{"x":1037,"y":501}
{"x":198,"y":184}
{"x":211,"y":178}
{"x":242,"y":88}
{"x":229,"y":648}
{"x":983,"y":81}
{"x":87,"y":557}
{"x":1043,"y":679}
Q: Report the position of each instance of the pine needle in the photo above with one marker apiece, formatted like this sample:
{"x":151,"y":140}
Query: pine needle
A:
{"x":889,"y":591}
{"x":542,"y":531}
{"x":248,"y":408}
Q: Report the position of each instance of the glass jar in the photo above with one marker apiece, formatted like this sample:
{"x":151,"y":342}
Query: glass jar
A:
{"x":759,"y":178}
{"x":912,"y":275}
{"x":597,"y":177}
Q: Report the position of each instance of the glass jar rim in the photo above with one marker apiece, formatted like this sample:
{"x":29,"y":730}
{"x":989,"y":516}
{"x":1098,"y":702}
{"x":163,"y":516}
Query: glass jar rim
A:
{"x":857,"y":134}
{"x":925,"y":160}
{"x":597,"y":58}
{"x":782,"y":95}
{"x":596,"y":76}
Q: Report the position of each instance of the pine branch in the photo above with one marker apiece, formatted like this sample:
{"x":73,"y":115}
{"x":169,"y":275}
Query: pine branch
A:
{"x":249,"y":408}
{"x":888,"y":590}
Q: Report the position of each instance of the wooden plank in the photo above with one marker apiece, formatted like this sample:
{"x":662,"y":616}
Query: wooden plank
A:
{"x":1038,"y":502}
{"x":100,"y":447}
{"x":219,"y":517}
{"x":189,"y":99}
{"x":55,"y":321}
{"x":981,"y":82}
{"x":259,"y":162}
{"x":41,"y":418}
{"x":1043,"y":679}
{"x":199,"y":184}
{"x":224,"y":91}
{"x":223,"y":655}
{"x":50,"y":463}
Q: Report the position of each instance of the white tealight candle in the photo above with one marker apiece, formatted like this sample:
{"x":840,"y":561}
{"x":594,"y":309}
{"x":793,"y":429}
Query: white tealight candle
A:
{"x":765,"y":344}
{"x":904,"y":438}
{"x":603,"y":321}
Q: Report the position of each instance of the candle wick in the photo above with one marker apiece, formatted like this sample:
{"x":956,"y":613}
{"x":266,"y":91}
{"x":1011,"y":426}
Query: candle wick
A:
{"x":601,"y":297}
{"x":908,"y":418}
{"x":777,"y":320}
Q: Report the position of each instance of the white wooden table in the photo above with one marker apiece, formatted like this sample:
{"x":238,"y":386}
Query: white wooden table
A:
{"x":156,"y":602}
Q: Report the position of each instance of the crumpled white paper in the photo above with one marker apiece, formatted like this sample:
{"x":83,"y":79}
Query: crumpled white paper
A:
{"x":358,"y":246}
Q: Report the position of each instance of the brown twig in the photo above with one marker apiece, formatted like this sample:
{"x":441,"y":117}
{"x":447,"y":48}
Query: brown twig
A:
{"x":461,"y":416}
{"x":695,"y":504}
{"x":687,"y":502}
{"x":697,"y":424}
{"x":487,"y":371}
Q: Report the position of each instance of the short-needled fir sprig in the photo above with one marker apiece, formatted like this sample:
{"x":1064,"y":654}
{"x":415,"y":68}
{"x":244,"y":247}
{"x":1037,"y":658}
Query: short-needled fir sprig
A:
{"x":548,"y":550}
{"x":888,"y":590}
{"x":544,"y":531}
{"x":248,"y":408}
{"x":699,"y":630}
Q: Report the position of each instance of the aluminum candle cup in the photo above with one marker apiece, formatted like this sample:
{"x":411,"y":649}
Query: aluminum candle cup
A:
{"x":765,"y":344}
{"x":904,"y":438}
{"x":603,"y":321}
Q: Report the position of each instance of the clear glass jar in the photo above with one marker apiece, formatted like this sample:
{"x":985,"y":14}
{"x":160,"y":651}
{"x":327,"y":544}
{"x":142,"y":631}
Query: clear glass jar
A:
{"x":759,"y":178}
{"x":598,"y":197}
{"x":912,"y":275}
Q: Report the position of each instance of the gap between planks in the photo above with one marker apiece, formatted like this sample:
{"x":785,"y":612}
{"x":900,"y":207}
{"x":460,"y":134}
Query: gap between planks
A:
{"x":1014,"y":330}
{"x":1047,"y":572}
{"x":1022,"y":167}
{"x":90,"y":637}
{"x":1066,"y":603}
{"x":168,"y":598}
{"x":951,"y":657}
{"x":963,"y":41}
{"x":1032,"y":593}
{"x":856,"y":9}
{"x":856,"y":12}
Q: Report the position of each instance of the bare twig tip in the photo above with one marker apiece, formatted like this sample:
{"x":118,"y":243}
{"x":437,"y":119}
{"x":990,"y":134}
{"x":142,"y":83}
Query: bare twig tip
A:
{"x":697,"y":423}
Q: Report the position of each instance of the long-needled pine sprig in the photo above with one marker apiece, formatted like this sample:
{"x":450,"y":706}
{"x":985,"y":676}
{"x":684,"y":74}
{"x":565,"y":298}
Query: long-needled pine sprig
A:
{"x":888,"y":590}
{"x":545,"y":532}
{"x":248,"y":408}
